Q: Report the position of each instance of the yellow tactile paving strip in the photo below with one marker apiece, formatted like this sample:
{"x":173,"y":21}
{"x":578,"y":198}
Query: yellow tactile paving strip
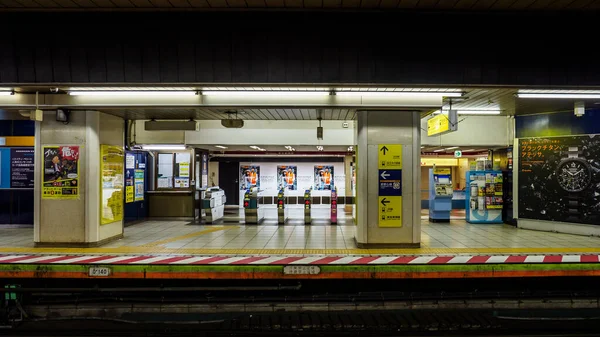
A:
{"x":412,"y":251}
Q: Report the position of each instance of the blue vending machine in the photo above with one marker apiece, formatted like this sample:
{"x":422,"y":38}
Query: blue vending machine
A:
{"x":440,"y":194}
{"x":484,"y":197}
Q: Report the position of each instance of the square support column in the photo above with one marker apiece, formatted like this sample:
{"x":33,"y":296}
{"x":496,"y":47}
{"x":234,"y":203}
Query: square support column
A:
{"x":75,"y":222}
{"x":400,"y":131}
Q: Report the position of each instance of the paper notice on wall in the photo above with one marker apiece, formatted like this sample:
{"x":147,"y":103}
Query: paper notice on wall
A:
{"x":164,"y":182}
{"x":184,"y":169}
{"x":129,"y":161}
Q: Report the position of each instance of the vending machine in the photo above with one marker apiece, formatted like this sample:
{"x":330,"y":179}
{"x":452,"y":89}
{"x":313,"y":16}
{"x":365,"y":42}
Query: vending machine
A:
{"x":484,"y":197}
{"x":440,"y":194}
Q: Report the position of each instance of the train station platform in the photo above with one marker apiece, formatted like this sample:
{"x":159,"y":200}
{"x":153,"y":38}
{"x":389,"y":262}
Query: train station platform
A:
{"x":183,"y":249}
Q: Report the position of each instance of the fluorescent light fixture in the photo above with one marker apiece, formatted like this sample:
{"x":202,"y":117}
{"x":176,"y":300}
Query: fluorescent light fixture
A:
{"x":565,"y":94}
{"x":257,"y":148}
{"x":350,"y":148}
{"x":164,"y":147}
{"x":221,"y":146}
{"x":134,"y":93}
{"x":399,"y":93}
{"x":257,"y":93}
{"x":452,"y":148}
{"x":6,"y":93}
{"x":320,"y":148}
{"x":478,"y":112}
{"x":439,"y":150}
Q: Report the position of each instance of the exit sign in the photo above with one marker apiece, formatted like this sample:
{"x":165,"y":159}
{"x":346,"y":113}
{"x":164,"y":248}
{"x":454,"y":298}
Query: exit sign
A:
{"x":457,"y":154}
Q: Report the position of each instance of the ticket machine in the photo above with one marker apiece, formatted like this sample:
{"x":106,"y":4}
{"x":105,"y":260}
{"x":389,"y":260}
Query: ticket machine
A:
{"x":440,"y":194}
{"x":252,"y":212}
{"x":281,"y":208}
{"x":307,"y":207}
{"x":334,"y":206}
{"x":213,"y":204}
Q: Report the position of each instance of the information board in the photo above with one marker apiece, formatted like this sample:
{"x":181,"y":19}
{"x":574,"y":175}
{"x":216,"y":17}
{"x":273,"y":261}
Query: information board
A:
{"x":390,"y":185}
{"x":22,"y":167}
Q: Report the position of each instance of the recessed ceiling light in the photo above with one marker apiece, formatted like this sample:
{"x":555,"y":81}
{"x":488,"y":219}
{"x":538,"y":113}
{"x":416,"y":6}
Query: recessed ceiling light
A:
{"x":319,"y":148}
{"x":439,"y":150}
{"x":221,"y":146}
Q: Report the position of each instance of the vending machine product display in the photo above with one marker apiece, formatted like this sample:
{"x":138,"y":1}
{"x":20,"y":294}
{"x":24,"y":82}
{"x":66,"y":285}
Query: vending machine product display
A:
{"x":484,"y":197}
{"x":440,"y":194}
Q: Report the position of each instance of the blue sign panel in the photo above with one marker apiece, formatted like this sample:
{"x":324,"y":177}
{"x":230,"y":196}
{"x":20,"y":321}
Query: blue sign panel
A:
{"x":390,"y":183}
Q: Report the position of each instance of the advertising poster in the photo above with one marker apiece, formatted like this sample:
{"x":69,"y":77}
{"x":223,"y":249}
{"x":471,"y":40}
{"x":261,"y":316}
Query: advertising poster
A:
{"x":112,"y":168}
{"x":249,"y":176}
{"x":61,"y":172}
{"x":286,"y":177}
{"x":21,"y":167}
{"x":204,"y":170}
{"x":559,"y":179}
{"x":323,"y":177}
{"x":139,"y":185}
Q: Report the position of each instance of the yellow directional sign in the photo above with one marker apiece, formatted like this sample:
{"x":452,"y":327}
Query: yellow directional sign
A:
{"x":390,"y":211}
{"x":390,"y":156}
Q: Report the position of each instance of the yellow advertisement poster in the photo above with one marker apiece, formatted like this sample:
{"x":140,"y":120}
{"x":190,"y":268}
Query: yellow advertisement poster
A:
{"x":129,"y":194}
{"x":60,"y":178}
{"x":112,"y":183}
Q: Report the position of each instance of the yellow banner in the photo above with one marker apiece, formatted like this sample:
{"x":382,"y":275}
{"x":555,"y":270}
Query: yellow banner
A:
{"x":442,"y":170}
{"x":390,"y":211}
{"x":129,"y":194}
{"x":438,"y":124}
{"x":390,"y":156}
{"x":111,"y":169}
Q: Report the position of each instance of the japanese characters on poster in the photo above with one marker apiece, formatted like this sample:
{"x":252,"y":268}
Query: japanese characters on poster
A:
{"x":323,"y":177}
{"x":129,"y":177}
{"x":21,"y":167}
{"x":139,"y":185}
{"x":249,"y":176}
{"x":559,"y":179}
{"x":61,"y":172}
{"x":286,"y":177}
{"x":112,"y":169}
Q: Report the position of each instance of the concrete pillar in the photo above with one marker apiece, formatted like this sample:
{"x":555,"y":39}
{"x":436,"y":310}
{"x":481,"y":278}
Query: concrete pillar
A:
{"x":76,"y":221}
{"x":378,"y":206}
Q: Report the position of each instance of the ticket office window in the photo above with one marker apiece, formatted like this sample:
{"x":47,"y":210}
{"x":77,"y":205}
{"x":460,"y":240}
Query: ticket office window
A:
{"x":173,"y":170}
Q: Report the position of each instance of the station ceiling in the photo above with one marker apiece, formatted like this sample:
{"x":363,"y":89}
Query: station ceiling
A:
{"x":441,"y":5}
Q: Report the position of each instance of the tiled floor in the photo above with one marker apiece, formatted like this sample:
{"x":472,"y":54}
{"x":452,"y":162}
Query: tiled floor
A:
{"x":156,"y":235}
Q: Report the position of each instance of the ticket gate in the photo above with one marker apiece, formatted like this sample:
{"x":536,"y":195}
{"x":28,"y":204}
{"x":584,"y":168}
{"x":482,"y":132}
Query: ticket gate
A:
{"x":253,"y":214}
{"x":334,"y":206}
{"x":307,"y":207}
{"x":281,"y":208}
{"x":213,"y":204}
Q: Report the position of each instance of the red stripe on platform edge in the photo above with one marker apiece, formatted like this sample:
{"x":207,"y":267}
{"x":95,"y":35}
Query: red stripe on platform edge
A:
{"x":288,"y":260}
{"x":211,"y":259}
{"x":515,"y":259}
{"x":402,"y":260}
{"x":95,"y":259}
{"x":364,"y":260}
{"x":20,"y":258}
{"x":58,"y":259}
{"x":553,"y":259}
{"x":133,"y":259}
{"x":589,"y":258}
{"x":249,"y":260}
{"x":479,"y":259}
{"x":171,"y":260}
{"x":441,"y":260}
{"x":326,"y":260}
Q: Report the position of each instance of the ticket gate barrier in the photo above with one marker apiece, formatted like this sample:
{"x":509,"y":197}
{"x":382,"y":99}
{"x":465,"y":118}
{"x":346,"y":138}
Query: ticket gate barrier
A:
{"x":281,"y":208}
{"x":213,"y":204}
{"x":307,"y":207}
{"x":253,"y":214}
{"x":334,"y":206}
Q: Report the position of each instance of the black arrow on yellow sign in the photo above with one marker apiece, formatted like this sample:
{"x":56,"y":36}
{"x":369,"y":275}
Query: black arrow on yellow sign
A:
{"x":384,"y":149}
{"x":384,"y":202}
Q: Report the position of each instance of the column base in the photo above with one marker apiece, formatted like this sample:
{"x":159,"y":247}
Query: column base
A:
{"x":386,"y":245}
{"x":77,"y":244}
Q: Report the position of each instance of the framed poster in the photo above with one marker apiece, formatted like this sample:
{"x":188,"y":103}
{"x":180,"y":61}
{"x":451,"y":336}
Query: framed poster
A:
{"x":286,"y":177}
{"x":249,"y":176}
{"x":60,"y":178}
{"x":129,"y":177}
{"x":139,"y":185}
{"x":559,"y":179}
{"x":112,"y":181}
{"x":323,"y":177}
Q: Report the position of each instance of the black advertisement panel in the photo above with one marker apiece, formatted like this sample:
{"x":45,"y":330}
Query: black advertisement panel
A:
{"x":21,"y":167}
{"x":559,"y":179}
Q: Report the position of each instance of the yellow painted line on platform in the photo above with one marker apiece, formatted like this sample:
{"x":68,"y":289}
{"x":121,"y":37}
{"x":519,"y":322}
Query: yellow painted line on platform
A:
{"x":187,"y":236}
{"x":217,"y":251}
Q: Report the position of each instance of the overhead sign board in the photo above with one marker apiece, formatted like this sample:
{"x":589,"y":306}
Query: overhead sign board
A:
{"x":442,"y":123}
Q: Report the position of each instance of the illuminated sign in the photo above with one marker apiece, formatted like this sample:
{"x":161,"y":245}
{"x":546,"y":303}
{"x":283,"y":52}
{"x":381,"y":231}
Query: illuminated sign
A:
{"x":442,"y":123}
